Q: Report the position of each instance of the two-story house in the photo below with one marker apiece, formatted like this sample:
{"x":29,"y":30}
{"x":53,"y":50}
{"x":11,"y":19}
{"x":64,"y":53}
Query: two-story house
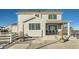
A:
{"x":41,"y":23}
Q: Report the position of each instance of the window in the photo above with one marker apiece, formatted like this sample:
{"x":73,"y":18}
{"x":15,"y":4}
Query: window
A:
{"x":59,"y":26}
{"x":37,"y":15}
{"x":34,"y":26}
{"x":52,"y":16}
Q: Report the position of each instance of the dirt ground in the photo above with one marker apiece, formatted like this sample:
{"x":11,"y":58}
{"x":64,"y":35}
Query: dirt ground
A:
{"x":49,"y":43}
{"x":72,"y":44}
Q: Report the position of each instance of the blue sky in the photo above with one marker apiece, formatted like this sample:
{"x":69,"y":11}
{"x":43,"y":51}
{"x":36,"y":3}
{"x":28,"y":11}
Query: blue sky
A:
{"x":73,"y":15}
{"x":8,"y":16}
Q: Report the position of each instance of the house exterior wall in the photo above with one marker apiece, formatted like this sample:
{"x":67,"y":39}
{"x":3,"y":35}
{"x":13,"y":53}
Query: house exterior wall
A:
{"x":8,"y":27}
{"x":14,"y":28}
{"x":45,"y":16}
{"x":59,"y":17}
{"x":21,"y":19}
{"x":35,"y":33}
{"x":24,"y":27}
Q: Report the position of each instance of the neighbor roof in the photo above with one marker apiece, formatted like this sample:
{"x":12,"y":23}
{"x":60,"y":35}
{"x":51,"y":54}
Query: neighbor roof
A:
{"x":14,"y":24}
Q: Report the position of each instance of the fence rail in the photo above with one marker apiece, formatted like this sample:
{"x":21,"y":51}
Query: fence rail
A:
{"x":8,"y":37}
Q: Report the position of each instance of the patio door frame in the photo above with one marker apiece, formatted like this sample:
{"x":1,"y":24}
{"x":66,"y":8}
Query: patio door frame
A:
{"x":51,"y":29}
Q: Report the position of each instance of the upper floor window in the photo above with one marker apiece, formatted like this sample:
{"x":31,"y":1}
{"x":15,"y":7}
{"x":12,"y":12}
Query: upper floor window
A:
{"x":52,"y":16}
{"x":34,"y":26}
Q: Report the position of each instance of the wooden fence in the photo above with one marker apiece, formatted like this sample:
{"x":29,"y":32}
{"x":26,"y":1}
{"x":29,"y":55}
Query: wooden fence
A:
{"x":7,"y":37}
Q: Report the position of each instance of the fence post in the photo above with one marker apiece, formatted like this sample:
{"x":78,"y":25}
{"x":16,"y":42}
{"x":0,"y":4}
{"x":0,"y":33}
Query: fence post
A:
{"x":10,"y":38}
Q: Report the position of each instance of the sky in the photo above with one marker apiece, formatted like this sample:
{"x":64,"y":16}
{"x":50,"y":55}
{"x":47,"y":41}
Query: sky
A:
{"x":73,"y":15}
{"x":8,"y":16}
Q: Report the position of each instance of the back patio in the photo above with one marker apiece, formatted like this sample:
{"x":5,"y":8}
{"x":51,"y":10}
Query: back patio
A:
{"x":56,"y":27}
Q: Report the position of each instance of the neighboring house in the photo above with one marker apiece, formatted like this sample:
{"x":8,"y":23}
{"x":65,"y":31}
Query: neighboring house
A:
{"x":76,"y":33}
{"x":41,"y":23}
{"x":66,"y":30}
{"x":12,"y":28}
{"x":1,"y":27}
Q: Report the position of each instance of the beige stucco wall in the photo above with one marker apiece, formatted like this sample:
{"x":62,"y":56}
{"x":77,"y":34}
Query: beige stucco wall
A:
{"x":24,"y":27}
{"x":40,"y":32}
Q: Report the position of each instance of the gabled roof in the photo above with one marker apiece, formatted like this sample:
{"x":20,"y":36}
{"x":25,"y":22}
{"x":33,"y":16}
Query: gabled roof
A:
{"x":39,"y":11}
{"x":30,"y":19}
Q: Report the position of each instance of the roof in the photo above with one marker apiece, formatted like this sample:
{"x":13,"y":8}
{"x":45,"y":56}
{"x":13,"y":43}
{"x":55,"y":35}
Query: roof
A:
{"x":30,"y":19}
{"x":38,"y":11}
{"x":76,"y":30}
{"x":14,"y":24}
